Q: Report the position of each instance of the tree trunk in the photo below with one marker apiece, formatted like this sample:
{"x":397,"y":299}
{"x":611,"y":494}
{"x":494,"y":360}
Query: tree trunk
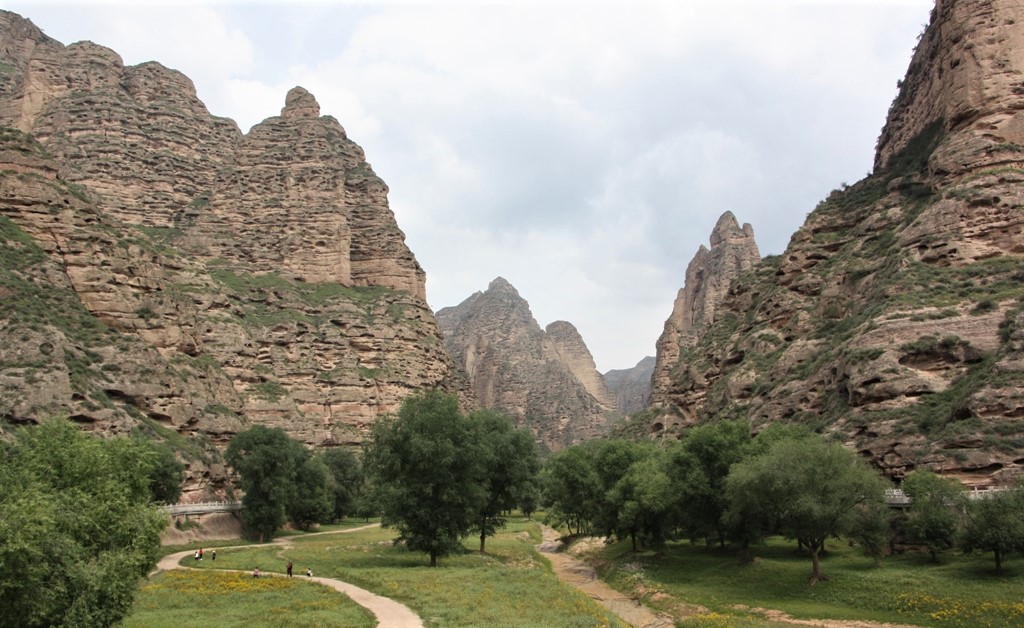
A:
{"x":999,"y":559}
{"x":433,"y":559}
{"x":632,"y":535}
{"x":816,"y":574}
{"x":483,"y":537}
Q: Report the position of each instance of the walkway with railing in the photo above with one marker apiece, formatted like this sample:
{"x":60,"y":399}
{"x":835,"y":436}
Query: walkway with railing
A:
{"x":202,"y":508}
{"x":896,"y":498}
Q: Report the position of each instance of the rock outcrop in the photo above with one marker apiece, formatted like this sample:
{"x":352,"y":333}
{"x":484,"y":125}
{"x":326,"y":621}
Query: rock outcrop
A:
{"x":546,"y":380}
{"x":893,"y":318}
{"x":631,"y":388}
{"x":708,"y":276}
{"x":186,"y":277}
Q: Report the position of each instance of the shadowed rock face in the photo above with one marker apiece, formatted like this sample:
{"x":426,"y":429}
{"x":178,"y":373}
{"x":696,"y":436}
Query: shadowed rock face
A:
{"x":207,"y":279}
{"x":631,"y":387}
{"x":893,"y":318}
{"x":545,"y":379}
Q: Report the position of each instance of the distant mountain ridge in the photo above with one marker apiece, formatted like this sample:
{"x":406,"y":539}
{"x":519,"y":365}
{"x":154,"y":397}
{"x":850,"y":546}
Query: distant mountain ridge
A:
{"x":545,"y":379}
{"x":631,"y":387}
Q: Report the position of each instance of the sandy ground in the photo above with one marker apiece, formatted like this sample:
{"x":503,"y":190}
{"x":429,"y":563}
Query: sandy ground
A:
{"x":389,"y":613}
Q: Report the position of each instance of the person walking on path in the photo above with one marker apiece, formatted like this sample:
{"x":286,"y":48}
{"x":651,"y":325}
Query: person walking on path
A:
{"x":289,"y":569}
{"x":309,"y":572}
{"x":213,"y":556}
{"x":256,"y":573}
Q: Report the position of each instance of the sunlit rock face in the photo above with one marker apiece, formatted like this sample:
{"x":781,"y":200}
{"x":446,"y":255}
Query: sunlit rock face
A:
{"x":545,"y":379}
{"x":893,"y":318}
{"x":206,"y":279}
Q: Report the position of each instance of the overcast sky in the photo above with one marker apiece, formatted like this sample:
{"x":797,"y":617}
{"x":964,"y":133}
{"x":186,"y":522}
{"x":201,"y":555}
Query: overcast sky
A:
{"x":581,"y":150}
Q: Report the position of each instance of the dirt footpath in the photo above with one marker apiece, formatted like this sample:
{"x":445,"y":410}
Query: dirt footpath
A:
{"x":582,"y":576}
{"x":388,"y":612}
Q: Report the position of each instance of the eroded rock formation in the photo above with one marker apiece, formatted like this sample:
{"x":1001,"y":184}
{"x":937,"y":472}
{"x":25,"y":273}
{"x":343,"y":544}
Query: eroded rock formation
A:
{"x":631,"y":388}
{"x":545,"y":379}
{"x":186,"y":277}
{"x":893,"y":318}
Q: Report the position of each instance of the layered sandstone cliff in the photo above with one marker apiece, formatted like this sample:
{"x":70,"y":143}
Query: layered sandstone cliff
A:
{"x":893,"y":319}
{"x":545,"y":379}
{"x":231,"y":279}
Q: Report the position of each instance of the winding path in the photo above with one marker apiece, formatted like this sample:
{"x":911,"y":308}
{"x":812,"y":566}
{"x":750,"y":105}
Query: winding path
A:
{"x":388,"y":612}
{"x":582,"y":576}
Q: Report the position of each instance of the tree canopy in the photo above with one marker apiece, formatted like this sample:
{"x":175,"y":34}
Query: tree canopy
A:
{"x":805,"y":488}
{"x":268,"y":462}
{"x":78,"y":527}
{"x":428,"y":469}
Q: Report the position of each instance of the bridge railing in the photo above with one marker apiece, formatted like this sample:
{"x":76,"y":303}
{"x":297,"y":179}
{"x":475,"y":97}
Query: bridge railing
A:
{"x":200,"y":508}
{"x":896,"y":497}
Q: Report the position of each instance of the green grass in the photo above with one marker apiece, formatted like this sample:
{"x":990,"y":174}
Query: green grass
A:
{"x":511,"y":585}
{"x":212,"y":598}
{"x":957,"y":591}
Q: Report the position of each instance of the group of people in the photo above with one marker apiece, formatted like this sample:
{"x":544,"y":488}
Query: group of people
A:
{"x":199,"y":554}
{"x":288,"y":567}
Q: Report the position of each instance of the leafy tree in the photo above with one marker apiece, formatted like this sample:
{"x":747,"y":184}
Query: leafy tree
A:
{"x":571,"y":488}
{"x":995,"y":523}
{"x":529,"y":498}
{"x":872,"y":529}
{"x":77,"y":528}
{"x":346,"y":480}
{"x":932,"y":517}
{"x":612,"y":459}
{"x":312,"y":500}
{"x":427,"y":464}
{"x":510,"y":461}
{"x":645,"y":501}
{"x":701,"y":463}
{"x":166,"y":474}
{"x":807,"y":489}
{"x":267,"y":462}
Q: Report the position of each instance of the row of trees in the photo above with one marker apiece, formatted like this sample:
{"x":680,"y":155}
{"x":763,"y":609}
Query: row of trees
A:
{"x":431,"y":472}
{"x":721,"y":484}
{"x":79,"y":524}
{"x":284,"y":481}
{"x":437,"y":475}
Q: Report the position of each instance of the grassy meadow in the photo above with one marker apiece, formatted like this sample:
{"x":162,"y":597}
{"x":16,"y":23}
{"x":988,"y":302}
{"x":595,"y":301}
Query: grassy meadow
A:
{"x":511,"y":585}
{"x":216,"y":598}
{"x":905,"y":589}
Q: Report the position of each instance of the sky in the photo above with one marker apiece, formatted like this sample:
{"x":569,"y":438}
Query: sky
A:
{"x":582,"y":150}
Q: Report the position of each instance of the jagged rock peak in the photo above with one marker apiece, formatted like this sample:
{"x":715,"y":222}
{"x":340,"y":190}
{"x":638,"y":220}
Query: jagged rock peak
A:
{"x":728,"y":229}
{"x":501,"y":285}
{"x":964,"y":80}
{"x":299,"y":103}
{"x":708,"y":276}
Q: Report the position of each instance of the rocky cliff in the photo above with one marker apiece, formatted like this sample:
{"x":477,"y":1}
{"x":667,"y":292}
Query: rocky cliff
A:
{"x":161,"y":269}
{"x":545,"y":379}
{"x":708,"y":276}
{"x":631,"y":388}
{"x":894,"y":317}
